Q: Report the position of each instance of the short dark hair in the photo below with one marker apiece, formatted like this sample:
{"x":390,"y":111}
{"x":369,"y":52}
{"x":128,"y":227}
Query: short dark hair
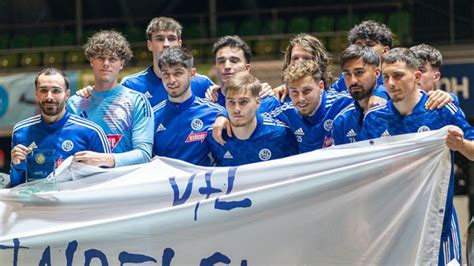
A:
{"x":233,"y":41}
{"x":371,"y":30}
{"x":176,"y":56}
{"x":52,"y":71}
{"x":355,"y":51}
{"x":401,"y":55}
{"x":428,"y":54}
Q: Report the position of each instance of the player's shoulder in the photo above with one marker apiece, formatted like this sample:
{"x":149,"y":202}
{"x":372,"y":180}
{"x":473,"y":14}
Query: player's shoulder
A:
{"x":203,"y":103}
{"x":28,"y":122}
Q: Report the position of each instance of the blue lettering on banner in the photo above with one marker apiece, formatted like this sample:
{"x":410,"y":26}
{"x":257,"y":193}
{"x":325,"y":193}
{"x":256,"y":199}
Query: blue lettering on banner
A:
{"x":123,"y":257}
{"x":16,"y":247}
{"x":207,"y":191}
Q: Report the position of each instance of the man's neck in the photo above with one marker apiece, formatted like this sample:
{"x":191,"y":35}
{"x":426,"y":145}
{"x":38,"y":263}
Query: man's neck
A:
{"x":105,"y":86}
{"x":406,"y":106}
{"x":246,"y":131}
{"x":49,"y":119}
{"x":156,"y":69}
{"x":182,"y":98}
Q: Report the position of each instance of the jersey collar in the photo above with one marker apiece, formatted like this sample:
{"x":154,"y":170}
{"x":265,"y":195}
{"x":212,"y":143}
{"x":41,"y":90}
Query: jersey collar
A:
{"x":55,"y":125}
{"x":180,"y":107}
{"x":318,"y":115}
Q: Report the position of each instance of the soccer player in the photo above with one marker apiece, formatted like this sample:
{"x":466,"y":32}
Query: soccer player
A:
{"x":124,"y":114}
{"x":406,"y":113}
{"x":162,"y":32}
{"x":183,"y":120}
{"x":54,"y":131}
{"x":255,"y":138}
{"x":233,"y":55}
{"x":360,"y":66}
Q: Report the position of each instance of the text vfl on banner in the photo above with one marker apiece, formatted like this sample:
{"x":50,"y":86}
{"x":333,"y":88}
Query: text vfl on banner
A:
{"x":358,"y":204}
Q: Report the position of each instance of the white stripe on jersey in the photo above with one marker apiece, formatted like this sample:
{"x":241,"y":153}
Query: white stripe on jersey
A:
{"x":147,"y":111}
{"x":205,"y":77}
{"x":202,"y":101}
{"x":159,"y":106}
{"x":452,"y":108}
{"x":345,"y":110}
{"x":375,"y":108}
{"x":88,"y":124}
{"x":27,"y":122}
{"x":277,"y":111}
{"x":273,"y":122}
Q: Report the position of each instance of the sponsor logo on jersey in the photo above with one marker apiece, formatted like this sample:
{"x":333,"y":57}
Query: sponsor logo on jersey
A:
{"x":385,"y":133}
{"x":161,"y":128}
{"x":227,"y":155}
{"x":114,"y":139}
{"x":199,"y":136}
{"x":58,"y":162}
{"x":148,"y":95}
{"x":197,"y":124}
{"x":327,"y":142}
{"x":67,"y":145}
{"x":265,"y":154}
{"x":423,"y":129}
{"x":299,"y":132}
{"x":328,"y":125}
{"x":351,"y":133}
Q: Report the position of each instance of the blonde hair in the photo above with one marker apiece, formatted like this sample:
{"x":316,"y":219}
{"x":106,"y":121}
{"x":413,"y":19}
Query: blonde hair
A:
{"x":242,"y":82}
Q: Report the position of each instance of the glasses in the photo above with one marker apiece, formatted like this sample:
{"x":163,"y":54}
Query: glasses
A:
{"x":111,"y":59}
{"x":357,"y":73}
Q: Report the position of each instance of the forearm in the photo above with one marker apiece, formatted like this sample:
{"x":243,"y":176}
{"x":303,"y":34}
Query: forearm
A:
{"x":467,"y":149}
{"x":141,"y":154}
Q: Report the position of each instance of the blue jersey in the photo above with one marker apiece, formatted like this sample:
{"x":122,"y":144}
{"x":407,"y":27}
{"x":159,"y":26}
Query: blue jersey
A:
{"x":63,"y":138}
{"x":271,"y":139}
{"x":386,"y":120}
{"x":127,"y":119}
{"x":347,"y":124}
{"x":181,"y":130}
{"x":148,"y":83}
{"x":380,"y":90}
{"x":313,"y":132}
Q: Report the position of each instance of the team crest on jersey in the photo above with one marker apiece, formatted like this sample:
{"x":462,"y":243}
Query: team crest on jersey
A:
{"x":423,"y":129}
{"x":114,"y":139}
{"x":327,"y":142}
{"x":197,"y":124}
{"x":199,"y":136}
{"x":328,"y":125}
{"x":40,"y":158}
{"x":265,"y":154}
{"x":67,"y":145}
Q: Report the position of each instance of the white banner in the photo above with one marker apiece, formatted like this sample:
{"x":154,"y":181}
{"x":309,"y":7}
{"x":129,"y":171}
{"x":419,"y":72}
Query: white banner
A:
{"x":359,"y":204}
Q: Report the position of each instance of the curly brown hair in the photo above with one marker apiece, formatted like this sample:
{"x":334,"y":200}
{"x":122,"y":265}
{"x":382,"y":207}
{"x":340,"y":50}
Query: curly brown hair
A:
{"x":108,"y":42}
{"x":301,"y":69}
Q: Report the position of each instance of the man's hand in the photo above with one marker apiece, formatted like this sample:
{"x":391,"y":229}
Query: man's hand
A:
{"x":438,"y":99}
{"x":221,"y":123}
{"x":266,"y":91}
{"x":455,"y":138}
{"x":85,"y":92}
{"x":19,"y":153}
{"x":211,"y":93}
{"x":375,"y":100}
{"x":94,"y":158}
{"x":281,"y":92}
